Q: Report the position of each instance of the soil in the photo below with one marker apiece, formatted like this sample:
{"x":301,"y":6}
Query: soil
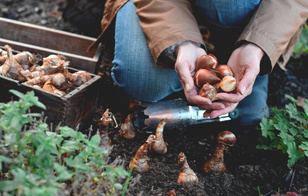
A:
{"x":249,"y":171}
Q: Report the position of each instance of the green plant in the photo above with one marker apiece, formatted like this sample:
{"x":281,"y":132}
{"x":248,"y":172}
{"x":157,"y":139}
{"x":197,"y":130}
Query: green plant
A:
{"x":287,"y":130}
{"x":302,"y":43}
{"x":36,"y":161}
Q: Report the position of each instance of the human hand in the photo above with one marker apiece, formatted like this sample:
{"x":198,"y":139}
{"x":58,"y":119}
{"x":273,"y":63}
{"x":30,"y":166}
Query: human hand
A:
{"x":245,"y":62}
{"x":187,"y":55}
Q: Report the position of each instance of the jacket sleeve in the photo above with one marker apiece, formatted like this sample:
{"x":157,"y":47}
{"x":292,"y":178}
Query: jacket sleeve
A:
{"x":166,"y":23}
{"x":275,"y":27}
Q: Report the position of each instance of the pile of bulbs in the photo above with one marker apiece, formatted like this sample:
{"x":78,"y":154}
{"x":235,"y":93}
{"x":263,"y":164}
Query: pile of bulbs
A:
{"x":211,"y":78}
{"x":156,"y":144}
{"x":52,"y":76}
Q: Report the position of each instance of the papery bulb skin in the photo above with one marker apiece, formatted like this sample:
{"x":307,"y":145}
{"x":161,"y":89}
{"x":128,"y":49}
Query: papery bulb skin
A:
{"x":59,"y":81}
{"x":216,"y":162}
{"x":128,"y":130}
{"x":108,"y":120}
{"x":48,"y":86}
{"x":11,"y":68}
{"x":25,"y":59}
{"x":224,"y":70}
{"x":203,"y":76}
{"x":187,"y":175}
{"x":158,"y":145}
{"x":208,"y":91}
{"x":208,"y":61}
{"x":227,"y":84}
{"x":140,"y":160}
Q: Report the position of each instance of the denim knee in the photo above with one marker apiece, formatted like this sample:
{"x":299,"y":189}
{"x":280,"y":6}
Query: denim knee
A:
{"x":254,"y":107}
{"x":134,"y":69}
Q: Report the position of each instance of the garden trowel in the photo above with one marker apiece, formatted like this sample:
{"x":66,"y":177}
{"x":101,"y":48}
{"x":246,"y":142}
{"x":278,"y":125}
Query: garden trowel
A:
{"x":178,"y":113}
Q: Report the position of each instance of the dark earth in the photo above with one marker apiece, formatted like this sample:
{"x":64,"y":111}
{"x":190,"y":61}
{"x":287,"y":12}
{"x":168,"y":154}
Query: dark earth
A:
{"x":249,"y":171}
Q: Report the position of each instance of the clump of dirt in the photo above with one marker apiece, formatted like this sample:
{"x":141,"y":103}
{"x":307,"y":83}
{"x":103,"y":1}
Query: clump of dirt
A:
{"x":249,"y":171}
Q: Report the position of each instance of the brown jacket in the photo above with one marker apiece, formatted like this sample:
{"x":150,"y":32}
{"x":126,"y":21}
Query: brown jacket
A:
{"x":274,"y":27}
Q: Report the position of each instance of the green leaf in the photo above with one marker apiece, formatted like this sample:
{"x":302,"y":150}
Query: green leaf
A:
{"x":281,"y":126}
{"x":81,"y":136}
{"x":294,"y":154}
{"x":70,"y":146}
{"x":294,"y":114}
{"x":291,"y":98}
{"x":304,"y":147}
{"x":63,"y":172}
{"x":305,"y":133}
{"x":266,"y":126}
{"x":95,"y":140}
{"x":293,"y":130}
{"x":263,"y":147}
{"x":33,"y":179}
{"x":8,"y":185}
{"x":19,"y":174}
{"x":68,"y":132}
{"x":86,"y":152}
{"x":304,"y":36}
{"x":287,"y":138}
{"x":121,"y":172}
{"x":34,"y":100}
{"x":77,"y":163}
{"x":17,"y":93}
{"x":306,"y":106}
{"x":45,"y":150}
{"x":298,"y":47}
{"x":4,"y":159}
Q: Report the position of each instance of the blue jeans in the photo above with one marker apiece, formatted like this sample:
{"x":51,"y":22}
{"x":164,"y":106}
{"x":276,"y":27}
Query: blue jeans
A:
{"x":134,"y":69}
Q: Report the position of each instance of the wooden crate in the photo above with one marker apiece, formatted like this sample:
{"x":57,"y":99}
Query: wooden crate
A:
{"x":75,"y":108}
{"x":42,"y":40}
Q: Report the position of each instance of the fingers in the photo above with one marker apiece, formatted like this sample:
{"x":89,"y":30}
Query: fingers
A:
{"x":213,"y":106}
{"x":244,"y":88}
{"x":185,"y":78}
{"x":246,"y":82}
{"x":229,"y":107}
{"x":199,"y":101}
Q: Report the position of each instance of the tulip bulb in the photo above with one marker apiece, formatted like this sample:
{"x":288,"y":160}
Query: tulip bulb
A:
{"x":227,"y":84}
{"x":127,"y":130}
{"x":216,"y":162}
{"x":140,"y":160}
{"x":11,"y":68}
{"x":224,"y":70}
{"x":107,"y":120}
{"x":206,"y":62}
{"x":25,"y":59}
{"x":203,"y":76}
{"x":187,"y":175}
{"x":208,"y":91}
{"x":158,"y":144}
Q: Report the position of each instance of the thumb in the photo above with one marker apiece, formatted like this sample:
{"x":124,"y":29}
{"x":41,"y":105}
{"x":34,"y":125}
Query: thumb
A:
{"x":246,"y":83}
{"x":186,"y":78}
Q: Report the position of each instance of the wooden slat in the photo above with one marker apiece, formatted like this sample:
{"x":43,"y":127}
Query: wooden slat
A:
{"x":46,"y":37}
{"x":81,"y":114}
{"x":75,"y":108}
{"x":76,"y":61}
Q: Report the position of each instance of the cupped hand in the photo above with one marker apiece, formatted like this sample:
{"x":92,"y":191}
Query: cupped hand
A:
{"x":245,"y":62}
{"x":187,"y":55}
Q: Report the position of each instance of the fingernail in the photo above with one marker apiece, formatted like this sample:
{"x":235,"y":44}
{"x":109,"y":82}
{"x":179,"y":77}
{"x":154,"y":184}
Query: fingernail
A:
{"x":222,"y":106}
{"x":242,"y":90}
